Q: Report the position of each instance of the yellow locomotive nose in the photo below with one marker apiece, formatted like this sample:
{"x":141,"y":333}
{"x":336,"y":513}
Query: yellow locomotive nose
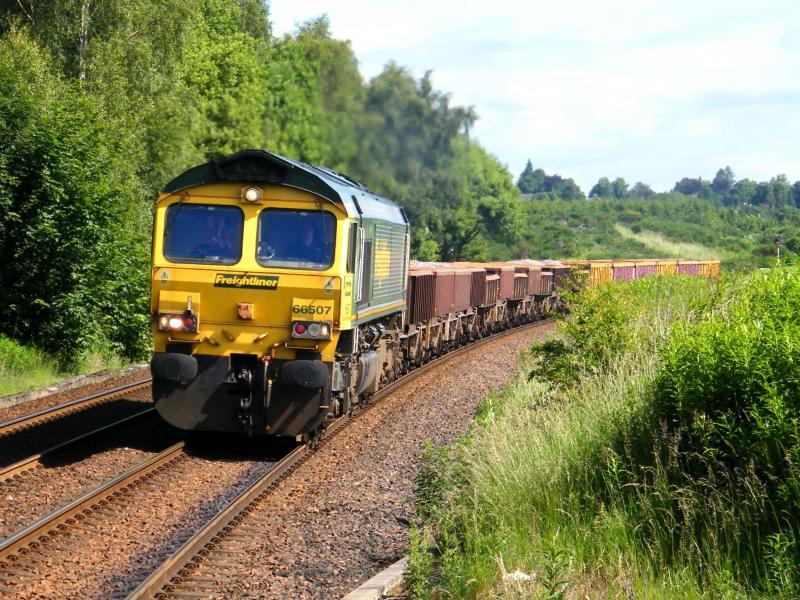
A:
{"x":257,"y":262}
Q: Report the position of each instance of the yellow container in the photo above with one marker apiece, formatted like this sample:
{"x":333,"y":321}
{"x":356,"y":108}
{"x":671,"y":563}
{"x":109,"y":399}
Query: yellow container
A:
{"x":600,"y":272}
{"x":666,"y":267}
{"x":709,"y":268}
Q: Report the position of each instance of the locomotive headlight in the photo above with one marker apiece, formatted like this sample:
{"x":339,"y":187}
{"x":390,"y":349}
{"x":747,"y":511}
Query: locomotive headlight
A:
{"x":186,"y":322}
{"x":251,"y":194}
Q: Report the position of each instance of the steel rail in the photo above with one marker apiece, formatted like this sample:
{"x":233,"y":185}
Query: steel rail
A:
{"x":50,"y":525}
{"x":26,"y":464}
{"x":202,"y":543}
{"x":48,"y":414}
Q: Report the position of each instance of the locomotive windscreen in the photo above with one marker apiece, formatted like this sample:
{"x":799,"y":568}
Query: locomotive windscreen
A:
{"x":296,"y":239}
{"x":203,"y":233}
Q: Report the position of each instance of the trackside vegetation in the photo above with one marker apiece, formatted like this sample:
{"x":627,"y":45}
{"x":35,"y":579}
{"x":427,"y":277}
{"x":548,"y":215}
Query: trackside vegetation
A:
{"x":650,"y":450}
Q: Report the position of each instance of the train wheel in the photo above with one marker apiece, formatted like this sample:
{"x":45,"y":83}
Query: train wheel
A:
{"x":312,"y":438}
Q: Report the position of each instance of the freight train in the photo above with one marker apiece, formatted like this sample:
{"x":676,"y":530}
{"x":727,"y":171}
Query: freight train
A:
{"x":283,"y":295}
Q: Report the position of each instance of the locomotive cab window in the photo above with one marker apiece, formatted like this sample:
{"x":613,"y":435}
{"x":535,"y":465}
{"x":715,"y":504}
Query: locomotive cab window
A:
{"x":203,"y":233}
{"x":296,"y":239}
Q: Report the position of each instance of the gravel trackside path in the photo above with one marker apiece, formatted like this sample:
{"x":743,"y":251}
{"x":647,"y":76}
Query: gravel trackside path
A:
{"x":341,"y":517}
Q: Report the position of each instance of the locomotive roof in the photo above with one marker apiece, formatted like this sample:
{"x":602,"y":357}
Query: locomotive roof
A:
{"x":260,"y":166}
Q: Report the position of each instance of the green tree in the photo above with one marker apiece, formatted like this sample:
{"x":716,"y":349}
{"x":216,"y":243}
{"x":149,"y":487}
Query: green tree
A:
{"x":689,"y":186}
{"x":340,"y":91}
{"x":602,"y":189}
{"x":527,"y":182}
{"x":619,"y":188}
{"x":742,"y":193}
{"x":641,"y":190}
{"x":567,"y":189}
{"x":71,"y":275}
{"x":723,"y":181}
{"x":479,"y":205}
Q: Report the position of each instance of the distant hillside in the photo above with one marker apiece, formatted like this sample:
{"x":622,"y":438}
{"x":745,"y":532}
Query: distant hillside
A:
{"x":668,"y":226}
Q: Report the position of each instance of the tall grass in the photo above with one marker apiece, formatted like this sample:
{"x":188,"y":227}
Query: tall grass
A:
{"x":618,"y":469}
{"x":25,"y":368}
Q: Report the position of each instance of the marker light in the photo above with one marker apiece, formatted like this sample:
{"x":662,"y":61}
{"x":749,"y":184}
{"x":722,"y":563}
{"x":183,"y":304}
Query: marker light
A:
{"x":311,"y":330}
{"x":251,"y":194}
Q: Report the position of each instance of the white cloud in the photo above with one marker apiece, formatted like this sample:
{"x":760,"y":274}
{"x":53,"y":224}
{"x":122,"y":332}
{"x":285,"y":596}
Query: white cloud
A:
{"x":645,"y":89}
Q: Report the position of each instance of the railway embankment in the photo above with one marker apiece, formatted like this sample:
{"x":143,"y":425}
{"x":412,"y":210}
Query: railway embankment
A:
{"x":648,"y":450}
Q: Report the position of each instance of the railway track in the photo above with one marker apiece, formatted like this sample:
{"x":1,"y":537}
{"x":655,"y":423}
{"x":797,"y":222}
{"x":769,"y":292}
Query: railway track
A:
{"x":78,"y":512}
{"x":214,"y":546}
{"x":52,"y":413}
{"x":36,"y":460}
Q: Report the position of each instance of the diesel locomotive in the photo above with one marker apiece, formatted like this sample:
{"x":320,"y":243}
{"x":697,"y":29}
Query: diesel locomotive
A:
{"x":283,"y":296}
{"x":272,"y":284}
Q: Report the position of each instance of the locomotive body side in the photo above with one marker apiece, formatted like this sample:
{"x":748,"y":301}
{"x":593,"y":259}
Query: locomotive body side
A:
{"x":257,"y":299}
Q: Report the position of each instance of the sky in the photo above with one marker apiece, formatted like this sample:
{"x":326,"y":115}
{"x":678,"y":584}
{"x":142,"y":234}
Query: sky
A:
{"x":647,"y":90}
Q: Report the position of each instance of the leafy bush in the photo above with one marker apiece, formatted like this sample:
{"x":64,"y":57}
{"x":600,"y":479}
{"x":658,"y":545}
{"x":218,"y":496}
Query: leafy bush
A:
{"x":729,"y":396}
{"x":16,"y":358}
{"x":69,"y":266}
{"x":617,"y":318}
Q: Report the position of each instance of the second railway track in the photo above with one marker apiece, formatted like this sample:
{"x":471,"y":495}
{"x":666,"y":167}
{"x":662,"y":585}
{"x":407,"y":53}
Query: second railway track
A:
{"x":81,"y":509}
{"x":51,"y":413}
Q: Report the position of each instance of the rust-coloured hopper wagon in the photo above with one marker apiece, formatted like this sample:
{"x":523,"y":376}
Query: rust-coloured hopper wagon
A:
{"x":477,"y":289}
{"x":505,"y":273}
{"x":532,"y":276}
{"x":462,"y":294}
{"x":445,"y":286}
{"x":562,"y":274}
{"x":421,"y":291}
{"x":453,"y":285}
{"x":540,"y":277}
{"x":492,"y":288}
{"x":546,"y":284}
